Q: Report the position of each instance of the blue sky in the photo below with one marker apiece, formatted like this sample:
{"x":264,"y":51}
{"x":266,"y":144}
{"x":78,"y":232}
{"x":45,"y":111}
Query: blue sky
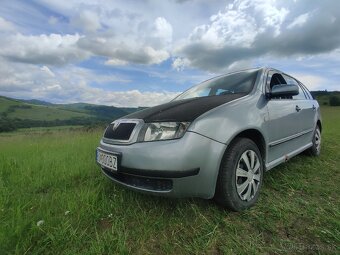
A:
{"x":142,"y":53}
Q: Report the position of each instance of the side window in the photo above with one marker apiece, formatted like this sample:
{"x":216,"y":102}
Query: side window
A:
{"x":203,"y":93}
{"x":307,"y":93}
{"x":301,"y":94}
{"x":222,"y":92}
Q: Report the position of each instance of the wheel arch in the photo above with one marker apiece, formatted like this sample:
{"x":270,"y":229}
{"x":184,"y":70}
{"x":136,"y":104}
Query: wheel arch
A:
{"x":256,"y":136}
{"x":252,"y":134}
{"x":318,"y":123}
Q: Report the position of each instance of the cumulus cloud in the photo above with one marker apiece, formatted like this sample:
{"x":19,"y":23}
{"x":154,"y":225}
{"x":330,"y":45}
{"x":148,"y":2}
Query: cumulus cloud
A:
{"x":246,"y":30}
{"x":71,"y":84}
{"x":53,"y":49}
{"x":41,"y":53}
{"x":180,"y":63}
{"x":162,"y":30}
{"x":147,"y":46}
{"x":121,"y":53}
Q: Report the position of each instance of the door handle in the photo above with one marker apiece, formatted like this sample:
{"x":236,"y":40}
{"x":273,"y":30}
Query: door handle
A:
{"x":297,"y":108}
{"x":314,"y":108}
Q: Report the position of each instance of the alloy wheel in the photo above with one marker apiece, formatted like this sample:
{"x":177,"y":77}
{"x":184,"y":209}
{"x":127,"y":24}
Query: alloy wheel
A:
{"x":317,"y":139}
{"x":248,"y":175}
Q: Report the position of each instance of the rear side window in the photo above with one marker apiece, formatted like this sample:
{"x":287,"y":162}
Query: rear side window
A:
{"x":308,"y":94}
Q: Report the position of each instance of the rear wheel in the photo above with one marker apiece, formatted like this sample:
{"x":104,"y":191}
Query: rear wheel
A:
{"x":240,"y":177}
{"x":316,"y":147}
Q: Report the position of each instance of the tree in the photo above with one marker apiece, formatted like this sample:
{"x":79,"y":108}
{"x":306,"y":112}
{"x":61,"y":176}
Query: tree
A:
{"x":334,"y":101}
{"x":6,"y":125}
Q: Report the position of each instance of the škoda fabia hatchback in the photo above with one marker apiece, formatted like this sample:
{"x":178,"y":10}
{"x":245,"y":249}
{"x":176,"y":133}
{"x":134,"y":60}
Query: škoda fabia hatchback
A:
{"x":215,"y":139}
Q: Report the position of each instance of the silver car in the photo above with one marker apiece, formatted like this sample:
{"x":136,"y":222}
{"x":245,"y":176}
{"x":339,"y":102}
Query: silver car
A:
{"x":216,"y":139}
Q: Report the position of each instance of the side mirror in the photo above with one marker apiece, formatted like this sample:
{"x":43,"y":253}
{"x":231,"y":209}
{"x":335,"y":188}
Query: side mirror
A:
{"x":284,"y":90}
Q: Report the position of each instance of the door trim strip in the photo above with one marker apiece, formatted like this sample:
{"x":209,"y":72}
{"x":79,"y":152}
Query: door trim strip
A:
{"x":286,"y":139}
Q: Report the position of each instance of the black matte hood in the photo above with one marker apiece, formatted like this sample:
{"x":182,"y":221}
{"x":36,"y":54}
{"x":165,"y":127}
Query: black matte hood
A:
{"x":182,"y":110}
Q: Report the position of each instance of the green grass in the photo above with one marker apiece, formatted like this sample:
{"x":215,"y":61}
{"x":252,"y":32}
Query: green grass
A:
{"x":42,"y":130}
{"x":44,"y":175}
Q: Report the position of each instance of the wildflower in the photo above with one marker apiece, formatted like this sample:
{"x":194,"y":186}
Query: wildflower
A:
{"x":40,"y":222}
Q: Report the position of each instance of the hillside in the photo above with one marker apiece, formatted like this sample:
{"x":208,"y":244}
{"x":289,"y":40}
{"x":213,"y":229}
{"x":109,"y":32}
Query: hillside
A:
{"x":16,"y":109}
{"x":324,"y":97}
{"x":15,"y":113}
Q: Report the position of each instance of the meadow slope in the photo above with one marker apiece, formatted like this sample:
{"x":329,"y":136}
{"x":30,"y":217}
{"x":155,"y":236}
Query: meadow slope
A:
{"x":51,"y":176}
{"x":17,"y":109}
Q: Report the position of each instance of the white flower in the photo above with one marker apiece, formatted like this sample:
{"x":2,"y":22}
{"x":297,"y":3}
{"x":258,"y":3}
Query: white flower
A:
{"x":110,"y":215}
{"x":40,"y":222}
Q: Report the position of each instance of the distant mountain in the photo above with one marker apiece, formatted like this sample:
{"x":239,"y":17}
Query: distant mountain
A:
{"x":16,"y":113}
{"x":35,"y":102}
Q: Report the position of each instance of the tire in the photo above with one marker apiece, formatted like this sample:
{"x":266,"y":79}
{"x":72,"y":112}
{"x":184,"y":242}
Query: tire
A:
{"x":316,"y":147}
{"x":230,"y":176}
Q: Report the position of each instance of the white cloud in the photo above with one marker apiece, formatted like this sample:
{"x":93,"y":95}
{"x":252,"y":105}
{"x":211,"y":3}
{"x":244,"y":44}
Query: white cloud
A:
{"x":6,"y":25}
{"x":251,"y":29}
{"x":47,"y":70}
{"x":39,"y":53}
{"x":131,"y":98}
{"x":123,"y":51}
{"x":299,"y":21}
{"x":116,"y":62}
{"x":232,"y":27}
{"x":87,"y":20}
{"x":163,"y":30}
{"x":231,"y":35}
{"x":53,"y":49}
{"x":312,"y":82}
{"x":270,"y":14}
{"x":71,"y":84}
{"x":180,"y":63}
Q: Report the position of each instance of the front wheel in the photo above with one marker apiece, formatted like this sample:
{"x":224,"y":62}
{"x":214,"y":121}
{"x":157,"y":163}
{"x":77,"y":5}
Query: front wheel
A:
{"x":240,"y":177}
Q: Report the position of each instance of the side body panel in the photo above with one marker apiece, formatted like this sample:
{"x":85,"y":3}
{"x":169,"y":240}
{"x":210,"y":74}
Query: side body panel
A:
{"x":284,"y":122}
{"x":296,"y":131}
{"x":286,"y":131}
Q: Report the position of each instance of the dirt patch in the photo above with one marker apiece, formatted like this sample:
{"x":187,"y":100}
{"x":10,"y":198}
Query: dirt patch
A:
{"x":104,"y":224}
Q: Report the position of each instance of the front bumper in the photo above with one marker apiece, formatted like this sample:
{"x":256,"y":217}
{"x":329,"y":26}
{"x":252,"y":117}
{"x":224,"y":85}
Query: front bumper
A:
{"x":186,"y":167}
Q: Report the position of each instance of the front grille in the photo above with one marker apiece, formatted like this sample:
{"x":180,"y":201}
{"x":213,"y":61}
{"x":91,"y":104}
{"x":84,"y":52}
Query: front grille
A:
{"x":153,"y":184}
{"x":122,"y":132}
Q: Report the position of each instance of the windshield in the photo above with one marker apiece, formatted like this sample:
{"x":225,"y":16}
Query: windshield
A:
{"x":240,"y":82}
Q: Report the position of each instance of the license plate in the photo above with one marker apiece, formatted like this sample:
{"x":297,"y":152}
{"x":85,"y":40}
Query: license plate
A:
{"x":107,"y":160}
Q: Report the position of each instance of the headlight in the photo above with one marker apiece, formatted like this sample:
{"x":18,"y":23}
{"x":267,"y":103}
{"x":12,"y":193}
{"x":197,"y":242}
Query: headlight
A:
{"x":162,"y":131}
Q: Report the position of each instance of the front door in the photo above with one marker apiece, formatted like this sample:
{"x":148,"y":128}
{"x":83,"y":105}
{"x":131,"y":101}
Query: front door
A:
{"x":283,"y":123}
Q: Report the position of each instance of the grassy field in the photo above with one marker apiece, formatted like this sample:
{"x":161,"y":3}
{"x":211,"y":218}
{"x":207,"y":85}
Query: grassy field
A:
{"x":51,"y":178}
